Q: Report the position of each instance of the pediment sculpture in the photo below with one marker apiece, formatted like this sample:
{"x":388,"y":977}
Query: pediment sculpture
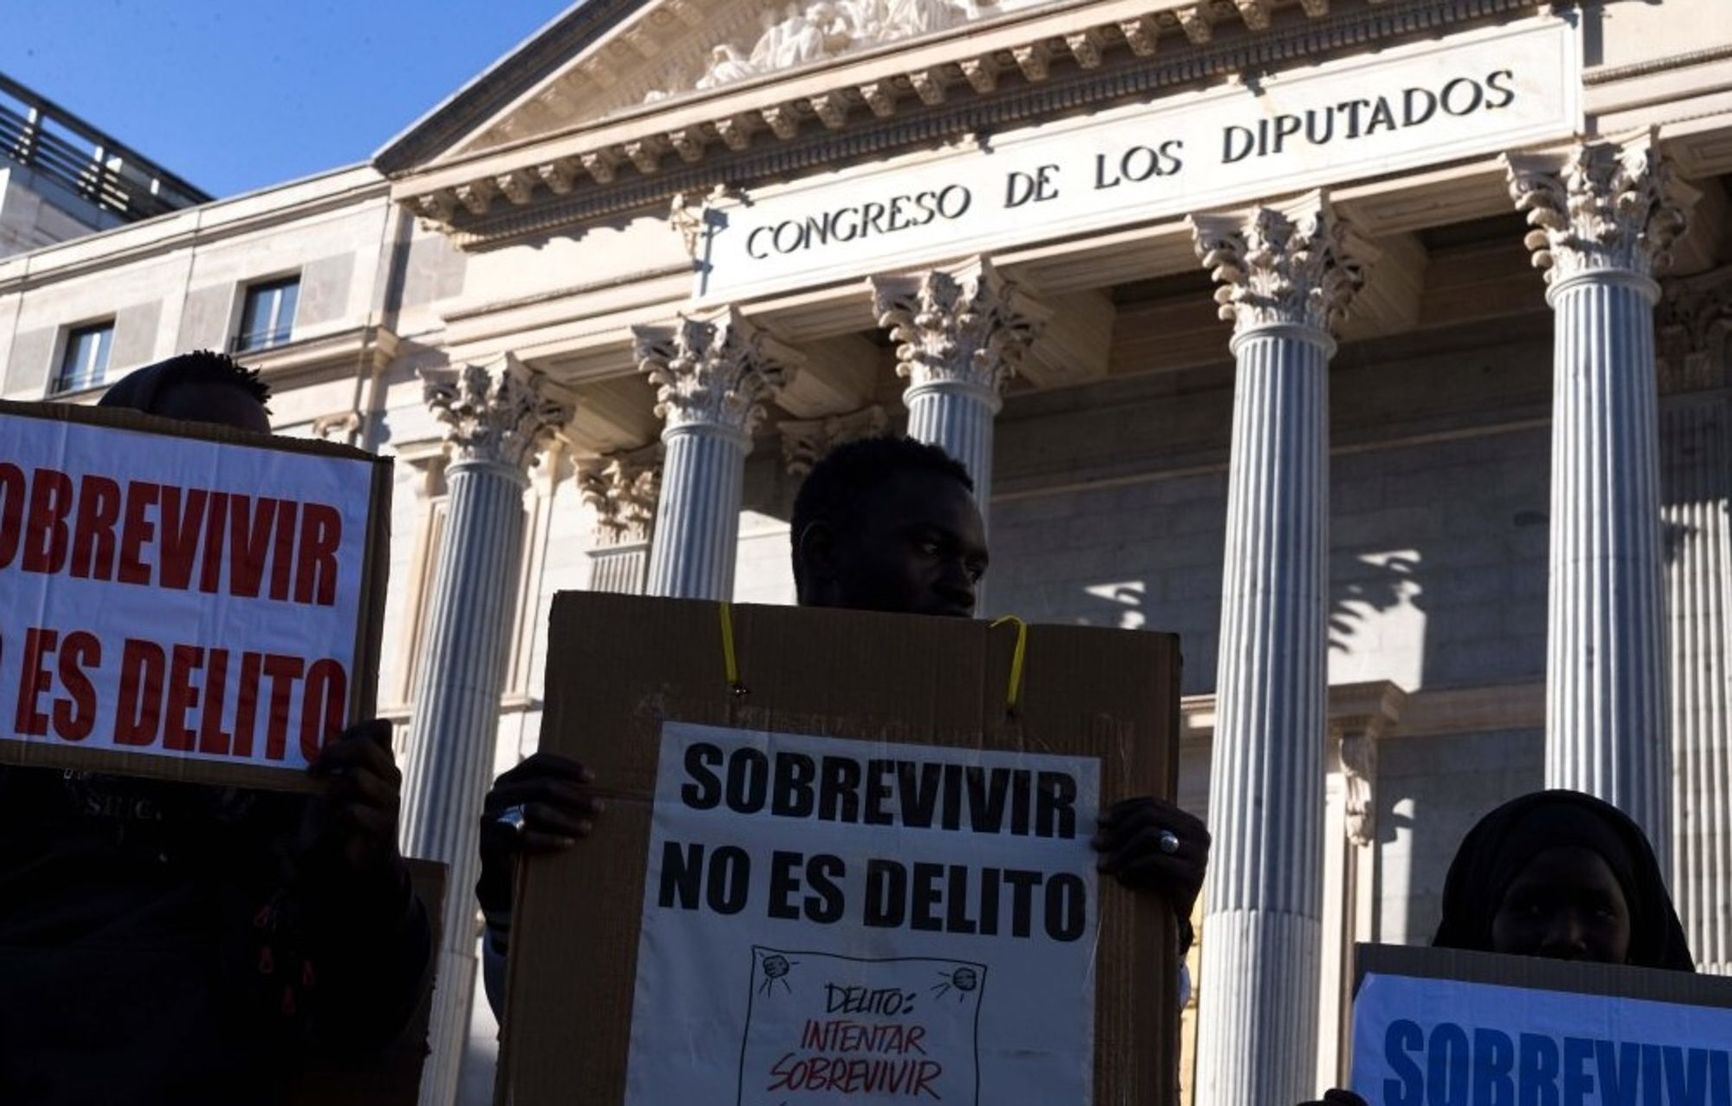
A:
{"x":823,"y":29}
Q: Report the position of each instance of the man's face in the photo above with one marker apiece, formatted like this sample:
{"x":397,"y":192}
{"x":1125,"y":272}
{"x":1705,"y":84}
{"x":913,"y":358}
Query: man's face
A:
{"x":917,"y":546}
{"x":221,"y":404}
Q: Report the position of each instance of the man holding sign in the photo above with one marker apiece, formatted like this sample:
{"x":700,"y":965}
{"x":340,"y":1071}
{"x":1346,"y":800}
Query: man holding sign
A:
{"x":168,"y":941}
{"x":884,"y":524}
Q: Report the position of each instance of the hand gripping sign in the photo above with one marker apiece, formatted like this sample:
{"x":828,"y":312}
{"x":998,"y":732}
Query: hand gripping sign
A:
{"x":183,"y":600}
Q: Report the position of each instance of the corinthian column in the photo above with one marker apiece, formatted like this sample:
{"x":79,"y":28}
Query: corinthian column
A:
{"x":622,"y":488}
{"x":1603,"y":218}
{"x":712,"y":375}
{"x":1285,"y":276}
{"x":498,"y":417}
{"x":1695,"y":335}
{"x":959,"y":337}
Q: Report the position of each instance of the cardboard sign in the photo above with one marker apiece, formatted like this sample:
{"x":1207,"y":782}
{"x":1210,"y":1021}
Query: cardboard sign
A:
{"x":1435,"y":1027}
{"x":183,"y":600}
{"x":861,"y":879}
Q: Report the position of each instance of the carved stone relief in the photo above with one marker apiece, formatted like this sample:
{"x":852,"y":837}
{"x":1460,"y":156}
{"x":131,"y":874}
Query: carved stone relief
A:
{"x":819,"y":30}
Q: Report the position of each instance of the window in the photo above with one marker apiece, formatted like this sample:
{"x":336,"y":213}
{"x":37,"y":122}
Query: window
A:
{"x":269,"y":314}
{"x":85,"y":361}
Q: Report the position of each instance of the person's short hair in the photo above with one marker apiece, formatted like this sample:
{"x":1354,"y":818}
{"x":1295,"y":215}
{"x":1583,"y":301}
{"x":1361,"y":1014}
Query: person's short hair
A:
{"x":140,"y":388}
{"x":840,"y":482}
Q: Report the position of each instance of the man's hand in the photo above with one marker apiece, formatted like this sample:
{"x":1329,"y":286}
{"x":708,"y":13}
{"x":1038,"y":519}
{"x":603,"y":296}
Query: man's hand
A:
{"x":1338,"y":1097}
{"x":353,"y":820}
{"x":1154,"y":846}
{"x":541,"y":805}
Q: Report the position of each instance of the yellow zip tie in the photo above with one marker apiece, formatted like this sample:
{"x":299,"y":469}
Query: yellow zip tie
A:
{"x":730,"y":662}
{"x":1014,"y":695}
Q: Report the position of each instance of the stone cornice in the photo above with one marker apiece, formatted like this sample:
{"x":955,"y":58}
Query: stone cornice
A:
{"x":871,"y":104}
{"x":372,"y":346}
{"x":177,"y":230}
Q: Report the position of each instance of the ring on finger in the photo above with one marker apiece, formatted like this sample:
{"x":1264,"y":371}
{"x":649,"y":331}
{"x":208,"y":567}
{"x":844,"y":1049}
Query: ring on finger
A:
{"x":514,"y":819}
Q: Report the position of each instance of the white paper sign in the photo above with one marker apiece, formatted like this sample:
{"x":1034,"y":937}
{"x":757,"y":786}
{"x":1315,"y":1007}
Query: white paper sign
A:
{"x":176,"y":597}
{"x":831,"y":921}
{"x":1471,"y":94}
{"x":1429,"y":1042}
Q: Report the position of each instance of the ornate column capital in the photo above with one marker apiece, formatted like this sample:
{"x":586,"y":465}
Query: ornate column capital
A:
{"x":966,"y":328}
{"x":806,"y":441}
{"x":502,"y":412}
{"x":714,"y":371}
{"x":623,"y":489}
{"x":1298,"y":265}
{"x":1600,"y":206}
{"x":1693,"y":331}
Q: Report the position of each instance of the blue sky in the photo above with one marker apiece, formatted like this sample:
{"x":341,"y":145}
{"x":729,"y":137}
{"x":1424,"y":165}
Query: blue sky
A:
{"x":239,"y":95}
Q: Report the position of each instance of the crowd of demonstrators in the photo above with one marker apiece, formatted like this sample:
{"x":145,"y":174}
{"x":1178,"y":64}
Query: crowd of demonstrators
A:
{"x":1560,"y":875}
{"x":884,"y":524}
{"x":170,"y":942}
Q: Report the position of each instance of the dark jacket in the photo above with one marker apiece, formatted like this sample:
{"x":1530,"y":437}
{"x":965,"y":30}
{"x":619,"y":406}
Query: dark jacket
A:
{"x":165,"y":942}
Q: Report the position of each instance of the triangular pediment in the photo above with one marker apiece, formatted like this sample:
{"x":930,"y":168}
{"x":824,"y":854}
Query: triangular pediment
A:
{"x":621,"y":104}
{"x":624,"y":56}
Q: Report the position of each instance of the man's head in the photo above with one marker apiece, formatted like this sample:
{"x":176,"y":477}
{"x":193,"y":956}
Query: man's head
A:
{"x":889,"y":524}
{"x":197,"y":387}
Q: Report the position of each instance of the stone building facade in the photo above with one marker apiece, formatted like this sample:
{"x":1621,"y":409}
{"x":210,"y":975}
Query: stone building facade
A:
{"x":1377,"y":348}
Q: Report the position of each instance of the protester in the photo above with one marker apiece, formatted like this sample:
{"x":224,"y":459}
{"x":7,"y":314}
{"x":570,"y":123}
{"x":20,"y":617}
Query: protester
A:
{"x":1561,"y":875}
{"x":885,"y":524}
{"x":170,"y":942}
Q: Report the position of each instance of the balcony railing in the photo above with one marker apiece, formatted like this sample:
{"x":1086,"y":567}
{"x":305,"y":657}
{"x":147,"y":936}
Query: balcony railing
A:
{"x":61,"y":147}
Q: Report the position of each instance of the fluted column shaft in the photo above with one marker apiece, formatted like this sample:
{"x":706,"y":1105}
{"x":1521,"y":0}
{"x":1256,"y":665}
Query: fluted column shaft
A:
{"x":957,"y":417}
{"x":1694,"y":332}
{"x":498,"y":419}
{"x":1285,"y":276}
{"x":698,"y":520}
{"x":1606,"y":694}
{"x":713,"y":375}
{"x":960,"y":335}
{"x":1697,"y":484}
{"x":1603,"y":217}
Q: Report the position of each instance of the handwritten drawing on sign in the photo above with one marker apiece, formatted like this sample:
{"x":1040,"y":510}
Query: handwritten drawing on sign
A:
{"x":823,"y":1030}
{"x":177,"y":597}
{"x":911,"y":874}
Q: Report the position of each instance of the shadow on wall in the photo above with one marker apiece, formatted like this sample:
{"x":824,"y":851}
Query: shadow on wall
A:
{"x":1380,"y":582}
{"x":1374,"y":602}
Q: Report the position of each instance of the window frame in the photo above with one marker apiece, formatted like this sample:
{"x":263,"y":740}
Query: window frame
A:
{"x":276,"y":332}
{"x":65,"y":380}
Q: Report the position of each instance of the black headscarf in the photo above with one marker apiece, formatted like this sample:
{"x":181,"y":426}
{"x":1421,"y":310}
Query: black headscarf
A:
{"x":140,"y":389}
{"x":1504,"y":842}
{"x":137,"y":390}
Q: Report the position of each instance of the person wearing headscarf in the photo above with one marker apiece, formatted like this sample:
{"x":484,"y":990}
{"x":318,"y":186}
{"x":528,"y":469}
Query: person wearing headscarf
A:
{"x":1566,"y":876}
{"x":1560,"y":875}
{"x":170,"y":942}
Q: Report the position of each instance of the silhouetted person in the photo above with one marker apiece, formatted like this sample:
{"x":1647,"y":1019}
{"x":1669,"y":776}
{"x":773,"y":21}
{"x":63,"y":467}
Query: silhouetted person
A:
{"x":884,"y":524}
{"x":169,"y":942}
{"x":1561,"y":875}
